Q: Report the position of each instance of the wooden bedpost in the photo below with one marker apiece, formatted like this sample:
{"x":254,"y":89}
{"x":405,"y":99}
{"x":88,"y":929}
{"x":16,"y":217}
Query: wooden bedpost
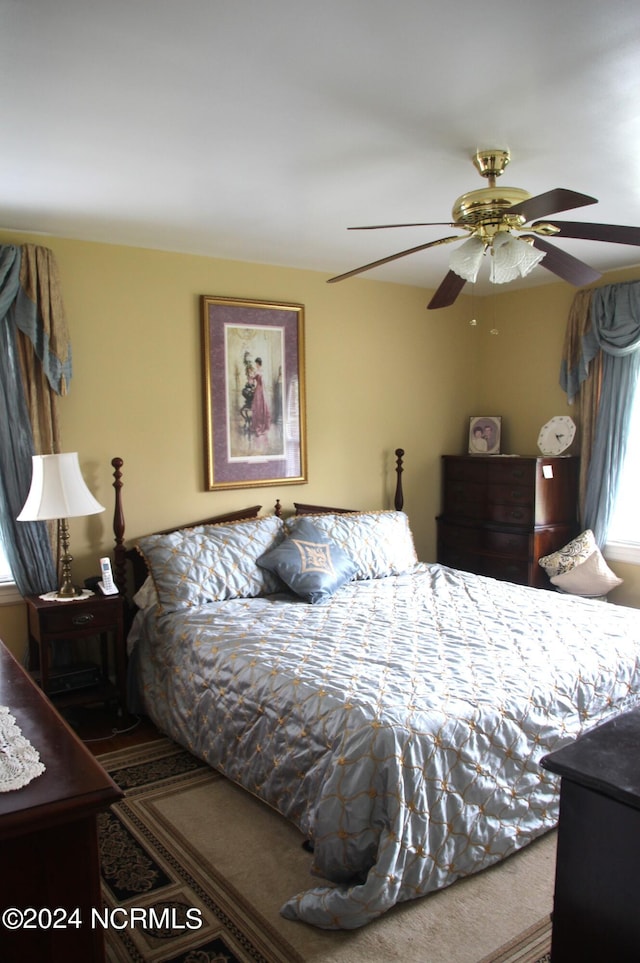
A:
{"x":119,"y":568}
{"x":399,"y":498}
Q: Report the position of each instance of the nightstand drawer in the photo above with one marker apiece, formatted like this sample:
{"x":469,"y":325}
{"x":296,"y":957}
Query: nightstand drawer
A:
{"x":75,"y":617}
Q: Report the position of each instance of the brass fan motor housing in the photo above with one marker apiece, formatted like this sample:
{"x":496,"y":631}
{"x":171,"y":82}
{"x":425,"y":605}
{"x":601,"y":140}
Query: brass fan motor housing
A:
{"x":490,"y":206}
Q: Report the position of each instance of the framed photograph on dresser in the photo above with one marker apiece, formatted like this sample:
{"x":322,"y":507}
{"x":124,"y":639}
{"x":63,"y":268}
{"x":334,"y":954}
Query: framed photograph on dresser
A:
{"x":484,"y":434}
{"x":254,"y":393}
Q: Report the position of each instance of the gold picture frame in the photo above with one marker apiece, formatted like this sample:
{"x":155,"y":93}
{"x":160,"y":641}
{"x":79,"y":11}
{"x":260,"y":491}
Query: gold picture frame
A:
{"x":254,"y":393}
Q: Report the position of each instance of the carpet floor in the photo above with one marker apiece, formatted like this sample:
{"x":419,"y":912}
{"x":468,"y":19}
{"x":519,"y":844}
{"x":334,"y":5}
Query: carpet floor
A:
{"x":216,"y":864}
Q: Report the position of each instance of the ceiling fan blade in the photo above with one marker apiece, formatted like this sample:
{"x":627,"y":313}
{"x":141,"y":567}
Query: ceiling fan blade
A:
{"x":566,"y":266}
{"x":551,"y":202}
{"x":393,"y":257}
{"x":448,"y":291}
{"x":614,"y":233}
{"x":378,"y":227}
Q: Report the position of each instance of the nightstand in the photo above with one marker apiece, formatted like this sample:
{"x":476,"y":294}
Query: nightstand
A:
{"x":51,"y":622}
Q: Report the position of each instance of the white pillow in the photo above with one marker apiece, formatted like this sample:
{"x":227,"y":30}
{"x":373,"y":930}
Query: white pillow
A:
{"x":146,"y":596}
{"x":590,"y":578}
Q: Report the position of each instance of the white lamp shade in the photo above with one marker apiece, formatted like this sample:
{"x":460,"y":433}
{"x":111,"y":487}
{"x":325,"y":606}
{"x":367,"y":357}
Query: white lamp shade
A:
{"x":466,"y":260}
{"x":58,"y":490}
{"x":512,"y":256}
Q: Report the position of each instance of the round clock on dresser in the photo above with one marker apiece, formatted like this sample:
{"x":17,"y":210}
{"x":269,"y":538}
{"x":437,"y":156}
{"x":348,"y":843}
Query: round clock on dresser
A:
{"x":556,"y":436}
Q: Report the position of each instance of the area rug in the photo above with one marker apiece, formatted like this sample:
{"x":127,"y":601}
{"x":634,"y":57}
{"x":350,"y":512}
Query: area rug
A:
{"x":195,"y":870}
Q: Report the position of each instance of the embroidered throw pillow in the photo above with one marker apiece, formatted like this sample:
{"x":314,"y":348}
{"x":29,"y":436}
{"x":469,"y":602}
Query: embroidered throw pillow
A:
{"x":309,"y":563}
{"x":569,"y":555}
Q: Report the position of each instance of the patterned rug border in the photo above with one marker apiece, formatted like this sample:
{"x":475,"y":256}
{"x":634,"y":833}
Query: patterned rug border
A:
{"x":222,"y":938}
{"x":531,"y":946}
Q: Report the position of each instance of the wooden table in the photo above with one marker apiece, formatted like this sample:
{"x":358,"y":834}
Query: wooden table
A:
{"x":48,"y":835}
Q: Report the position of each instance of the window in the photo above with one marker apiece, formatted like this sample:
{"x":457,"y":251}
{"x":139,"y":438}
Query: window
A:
{"x":9,"y":594}
{"x":623,"y":542}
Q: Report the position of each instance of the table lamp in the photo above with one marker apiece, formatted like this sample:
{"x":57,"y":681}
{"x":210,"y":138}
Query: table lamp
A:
{"x":58,"y":491}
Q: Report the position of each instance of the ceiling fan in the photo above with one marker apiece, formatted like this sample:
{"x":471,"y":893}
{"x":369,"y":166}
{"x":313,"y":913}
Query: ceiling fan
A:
{"x":490,"y":216}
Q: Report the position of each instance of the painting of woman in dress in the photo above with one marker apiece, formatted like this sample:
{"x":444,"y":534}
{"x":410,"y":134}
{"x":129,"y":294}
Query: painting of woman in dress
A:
{"x":254,"y":360}
{"x":253,"y":376}
{"x":261,"y":418}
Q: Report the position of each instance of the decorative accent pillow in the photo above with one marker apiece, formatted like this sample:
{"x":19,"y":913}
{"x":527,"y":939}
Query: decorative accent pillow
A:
{"x":380,"y":543}
{"x":209,"y":563}
{"x":569,"y":555}
{"x":309,"y":563}
{"x":146,"y":596}
{"x":592,"y":577}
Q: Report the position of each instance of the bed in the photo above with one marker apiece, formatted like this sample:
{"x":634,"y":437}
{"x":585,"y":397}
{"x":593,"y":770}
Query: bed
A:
{"x":395,"y":711}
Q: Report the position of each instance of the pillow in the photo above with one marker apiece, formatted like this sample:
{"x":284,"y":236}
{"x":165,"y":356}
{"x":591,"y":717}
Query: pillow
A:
{"x":570,"y":555}
{"x":591,"y":577}
{"x":309,"y":563}
{"x":146,"y":596}
{"x":380,"y":543}
{"x":209,"y":563}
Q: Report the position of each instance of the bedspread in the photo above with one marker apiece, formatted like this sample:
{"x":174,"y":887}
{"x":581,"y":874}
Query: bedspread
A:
{"x":400,"y":726}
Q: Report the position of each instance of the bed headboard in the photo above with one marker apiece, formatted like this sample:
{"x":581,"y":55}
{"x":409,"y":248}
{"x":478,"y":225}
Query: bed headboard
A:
{"x":302,"y":508}
{"x":124,"y":556}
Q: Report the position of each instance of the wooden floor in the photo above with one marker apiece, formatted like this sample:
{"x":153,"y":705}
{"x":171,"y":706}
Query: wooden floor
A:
{"x":102,"y":730}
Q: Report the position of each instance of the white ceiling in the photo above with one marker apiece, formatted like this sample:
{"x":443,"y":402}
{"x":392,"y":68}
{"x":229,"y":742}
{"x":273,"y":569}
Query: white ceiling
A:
{"x":260,"y":129}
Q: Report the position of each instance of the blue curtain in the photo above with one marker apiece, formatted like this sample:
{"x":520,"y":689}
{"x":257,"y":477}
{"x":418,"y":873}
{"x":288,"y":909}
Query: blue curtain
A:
{"x":614,"y":331}
{"x":27,"y":544}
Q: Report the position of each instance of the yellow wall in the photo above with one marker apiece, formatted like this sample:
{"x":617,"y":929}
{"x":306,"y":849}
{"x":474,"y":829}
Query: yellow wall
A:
{"x":381,"y":372}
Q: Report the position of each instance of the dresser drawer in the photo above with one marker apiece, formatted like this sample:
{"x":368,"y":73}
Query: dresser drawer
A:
{"x":520,"y":515}
{"x":459,"y":537}
{"x":506,"y":471}
{"x":507,"y":569}
{"x":506,"y":543}
{"x":473,"y":468}
{"x":458,"y":558}
{"x":510,"y":495}
{"x":465,"y":500}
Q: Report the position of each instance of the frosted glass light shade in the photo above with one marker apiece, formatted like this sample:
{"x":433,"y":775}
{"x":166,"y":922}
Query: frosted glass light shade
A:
{"x":512,"y":258}
{"x":466,"y":259}
{"x":58,"y":490}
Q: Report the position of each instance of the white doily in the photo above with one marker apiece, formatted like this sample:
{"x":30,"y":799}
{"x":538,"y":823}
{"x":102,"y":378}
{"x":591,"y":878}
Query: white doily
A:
{"x":19,"y":761}
{"x":54,"y":597}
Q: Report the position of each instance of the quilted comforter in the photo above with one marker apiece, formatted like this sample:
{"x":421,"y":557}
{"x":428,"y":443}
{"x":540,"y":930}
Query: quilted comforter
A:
{"x":400,"y":725}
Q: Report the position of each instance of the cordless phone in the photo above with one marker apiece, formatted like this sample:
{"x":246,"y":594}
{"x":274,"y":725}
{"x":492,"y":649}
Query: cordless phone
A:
{"x":107,"y":585}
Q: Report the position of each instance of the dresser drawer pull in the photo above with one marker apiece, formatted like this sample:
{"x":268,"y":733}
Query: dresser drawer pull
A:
{"x":83,"y":619}
{"x":516,"y":514}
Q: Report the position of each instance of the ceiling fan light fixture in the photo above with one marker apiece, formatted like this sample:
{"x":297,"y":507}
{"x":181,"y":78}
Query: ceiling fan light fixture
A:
{"x":512,"y":257}
{"x":466,"y":259}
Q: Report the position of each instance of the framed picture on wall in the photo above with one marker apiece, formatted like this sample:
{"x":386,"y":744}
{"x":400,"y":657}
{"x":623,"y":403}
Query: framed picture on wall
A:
{"x":254,"y":393}
{"x":484,"y":434}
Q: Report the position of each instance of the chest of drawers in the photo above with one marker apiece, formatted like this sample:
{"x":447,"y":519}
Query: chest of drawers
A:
{"x":501,"y":514}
